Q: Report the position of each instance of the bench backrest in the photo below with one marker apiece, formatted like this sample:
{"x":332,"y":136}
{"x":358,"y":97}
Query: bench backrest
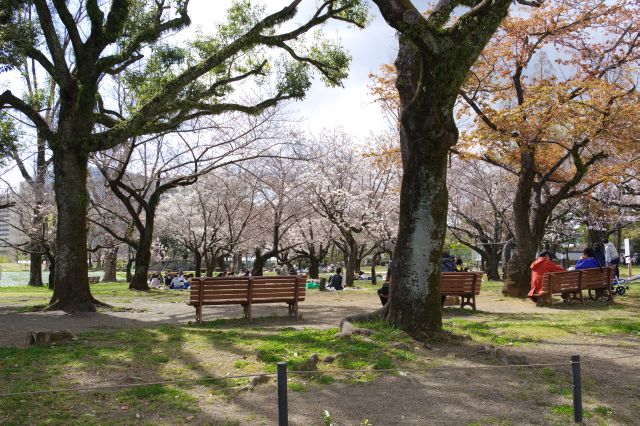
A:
{"x":567,"y":281}
{"x":460,"y":283}
{"x":93,"y":280}
{"x":594,"y":278}
{"x":559,"y":282}
{"x":240,"y":290}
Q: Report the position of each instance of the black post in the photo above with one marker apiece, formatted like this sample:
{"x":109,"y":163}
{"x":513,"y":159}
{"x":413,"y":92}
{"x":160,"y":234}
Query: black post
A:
{"x":283,"y":415}
{"x":577,"y":389}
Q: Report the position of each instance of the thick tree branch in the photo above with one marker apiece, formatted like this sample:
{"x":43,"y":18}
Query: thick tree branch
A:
{"x":8,"y":99}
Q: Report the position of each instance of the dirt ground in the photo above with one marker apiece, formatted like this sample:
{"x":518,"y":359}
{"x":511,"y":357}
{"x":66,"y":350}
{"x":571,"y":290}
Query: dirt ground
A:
{"x":452,"y":396}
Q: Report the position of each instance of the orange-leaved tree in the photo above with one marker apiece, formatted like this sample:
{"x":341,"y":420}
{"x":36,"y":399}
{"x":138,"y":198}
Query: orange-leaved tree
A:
{"x":554,"y":96}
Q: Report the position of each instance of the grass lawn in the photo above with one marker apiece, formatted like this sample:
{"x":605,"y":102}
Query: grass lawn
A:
{"x":234,"y":347}
{"x":170,"y":353}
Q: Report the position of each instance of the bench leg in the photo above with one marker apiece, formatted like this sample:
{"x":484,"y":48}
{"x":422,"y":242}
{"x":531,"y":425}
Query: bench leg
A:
{"x":199,"y":314}
{"x":245,"y":309}
{"x":290,"y":308}
{"x":468,"y":301}
{"x":295,"y":309}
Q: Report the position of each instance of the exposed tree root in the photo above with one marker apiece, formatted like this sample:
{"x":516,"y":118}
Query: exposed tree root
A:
{"x":89,"y":306}
{"x":99,"y":303}
{"x":348,"y":329}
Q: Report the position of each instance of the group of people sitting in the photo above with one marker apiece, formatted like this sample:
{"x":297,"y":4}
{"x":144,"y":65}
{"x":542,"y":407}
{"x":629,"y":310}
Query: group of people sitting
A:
{"x":171,"y":280}
{"x":601,"y":255}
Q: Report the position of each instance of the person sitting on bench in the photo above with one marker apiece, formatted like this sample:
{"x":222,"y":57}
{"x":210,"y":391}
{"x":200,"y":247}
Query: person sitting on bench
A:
{"x":587,"y":260}
{"x":539,"y":267}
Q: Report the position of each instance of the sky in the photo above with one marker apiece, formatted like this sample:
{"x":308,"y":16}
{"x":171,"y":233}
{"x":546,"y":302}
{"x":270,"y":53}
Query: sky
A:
{"x":350,"y":108}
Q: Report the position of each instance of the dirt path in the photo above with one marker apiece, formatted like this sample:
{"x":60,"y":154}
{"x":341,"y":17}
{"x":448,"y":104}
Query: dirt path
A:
{"x":321,"y":310}
{"x":452,"y":397}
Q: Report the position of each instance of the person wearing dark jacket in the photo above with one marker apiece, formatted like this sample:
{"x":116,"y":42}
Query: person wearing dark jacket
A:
{"x":337,"y":281}
{"x":383,"y":293}
{"x":447,"y":264}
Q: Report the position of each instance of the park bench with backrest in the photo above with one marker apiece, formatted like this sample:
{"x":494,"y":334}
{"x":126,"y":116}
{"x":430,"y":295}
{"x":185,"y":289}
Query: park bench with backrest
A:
{"x":466,"y":285}
{"x":566,"y":283}
{"x":247,"y":291}
{"x":570,"y":284}
{"x":598,"y":282}
{"x":94,"y":280}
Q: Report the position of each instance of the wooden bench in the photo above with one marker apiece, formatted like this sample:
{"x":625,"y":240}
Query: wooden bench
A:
{"x":94,"y":280}
{"x":247,"y":291}
{"x":566,"y":283}
{"x":598,"y":280}
{"x":570,"y":284}
{"x":463,"y":284}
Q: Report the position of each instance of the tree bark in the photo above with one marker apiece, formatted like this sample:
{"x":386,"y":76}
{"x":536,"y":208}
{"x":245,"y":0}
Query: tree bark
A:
{"x":210,"y":262}
{"x":374,"y":262}
{"x":314,"y":267}
{"x":415,"y":302}
{"x":140,"y":279}
{"x":427,"y":132}
{"x":52,"y":272}
{"x":237,"y":263}
{"x":71,"y":292}
{"x":198,"y":261}
{"x":110,"y":264}
{"x":99,"y":259}
{"x":35,"y":271}
{"x":128,"y":266}
{"x":352,"y":263}
{"x":491,"y":266}
{"x":258,"y":265}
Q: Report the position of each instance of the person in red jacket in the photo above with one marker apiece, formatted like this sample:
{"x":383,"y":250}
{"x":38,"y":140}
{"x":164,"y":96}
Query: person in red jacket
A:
{"x":542,"y":264}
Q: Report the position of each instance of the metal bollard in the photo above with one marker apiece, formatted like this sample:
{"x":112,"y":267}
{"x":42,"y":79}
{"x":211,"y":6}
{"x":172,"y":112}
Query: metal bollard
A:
{"x":283,"y":414}
{"x":577,"y":389}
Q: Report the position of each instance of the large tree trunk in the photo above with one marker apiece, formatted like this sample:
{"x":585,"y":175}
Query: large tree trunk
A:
{"x":314,"y":267}
{"x":99,"y":259}
{"x":71,"y":292}
{"x":518,"y":280}
{"x":52,"y":270}
{"x":35,"y":271}
{"x":352,"y":263}
{"x":198,"y":261}
{"x":491,"y":265}
{"x":427,"y":132}
{"x":210,"y":262}
{"x":237,"y":263}
{"x":140,"y":279}
{"x":374,"y":262}
{"x":127,"y":268}
{"x":110,"y":265}
{"x":260,"y":260}
{"x":415,"y":302}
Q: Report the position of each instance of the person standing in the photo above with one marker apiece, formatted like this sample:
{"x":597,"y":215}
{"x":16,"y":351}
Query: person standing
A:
{"x":611,"y":256}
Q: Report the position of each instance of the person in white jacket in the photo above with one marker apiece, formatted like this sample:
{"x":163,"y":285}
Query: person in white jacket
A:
{"x":611,"y":256}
